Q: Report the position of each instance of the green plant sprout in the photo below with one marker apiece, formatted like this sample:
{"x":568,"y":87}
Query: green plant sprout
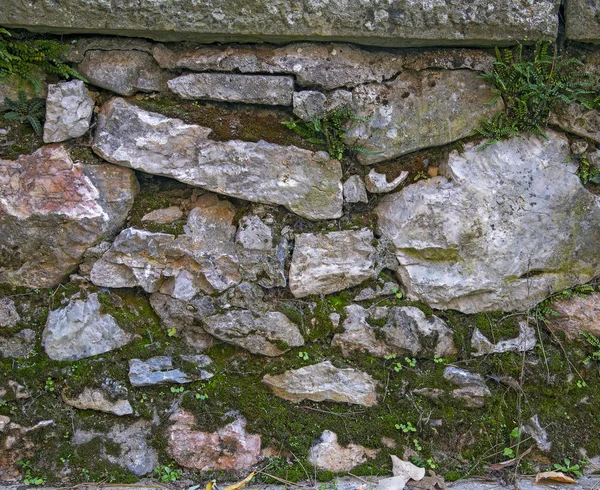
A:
{"x":303,"y":355}
{"x":566,"y":467}
{"x":408,"y":427}
{"x":167,"y":474}
{"x":25,"y":110}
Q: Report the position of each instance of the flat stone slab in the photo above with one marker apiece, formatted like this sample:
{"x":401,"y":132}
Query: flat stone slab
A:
{"x":400,"y":23}
{"x":307,"y":183}
{"x":324,"y":382}
{"x":505,"y":228}
{"x":249,"y":89}
{"x":156,"y":371}
{"x":583,"y":21}
{"x":94,"y":399}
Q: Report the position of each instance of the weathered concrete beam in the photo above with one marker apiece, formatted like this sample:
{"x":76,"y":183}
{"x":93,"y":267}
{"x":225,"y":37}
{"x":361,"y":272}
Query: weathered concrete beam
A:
{"x":376,"y":22}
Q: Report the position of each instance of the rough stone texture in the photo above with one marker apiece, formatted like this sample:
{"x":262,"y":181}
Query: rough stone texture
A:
{"x":575,"y":118}
{"x":377,"y":183}
{"x":538,"y":433}
{"x":68,"y":111}
{"x":354,"y":190}
{"x":327,"y":454}
{"x":324,"y":382}
{"x":306,"y":183}
{"x":249,"y":89}
{"x":123,"y":72}
{"x":94,"y":399}
{"x":230,"y":448}
{"x":18,"y":345}
{"x":156,"y":371}
{"x":471,"y":390}
{"x":269,"y":334}
{"x":9,"y":316}
{"x":52,"y":210}
{"x":401,"y":23}
{"x":164,"y":216}
{"x":309,"y":105}
{"x":577,"y":314}
{"x":524,"y":342}
{"x":404,"y":115}
{"x":80,"y":330}
{"x":382,"y":288}
{"x":406,"y":331}
{"x":583,"y":21}
{"x":328,"y":262}
{"x":512,"y":226}
{"x":136,"y":453}
{"x":254,"y":234}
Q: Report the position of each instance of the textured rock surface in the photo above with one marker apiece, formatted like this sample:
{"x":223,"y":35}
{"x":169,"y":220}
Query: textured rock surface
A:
{"x":574,"y":118}
{"x":471,"y":390}
{"x":306,"y":183}
{"x":327,"y":454}
{"x":52,"y":210}
{"x":254,"y":234}
{"x":324,"y":382}
{"x":9,"y":316}
{"x":123,"y":72}
{"x":577,"y":314}
{"x":93,"y":399}
{"x":163,"y":216}
{"x":402,"y":23}
{"x":156,"y":371}
{"x":329,"y":262}
{"x":81,"y":330}
{"x":249,"y":89}
{"x":229,"y":448}
{"x":68,"y":111}
{"x":377,"y":183}
{"x":492,"y":238}
{"x":404,"y":115}
{"x":19,"y":345}
{"x":354,"y":190}
{"x":269,"y":334}
{"x":405,"y":331}
{"x":583,"y":20}
{"x":524,"y":342}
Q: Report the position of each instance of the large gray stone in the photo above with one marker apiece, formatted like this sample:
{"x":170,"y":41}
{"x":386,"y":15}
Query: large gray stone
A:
{"x":156,"y":371}
{"x":400,"y":23}
{"x":583,"y":20}
{"x":328,"y":262}
{"x":324,"y":382}
{"x":250,"y":89}
{"x":81,"y":330}
{"x":124,"y":72}
{"x":513,"y":225}
{"x":269,"y":334}
{"x":52,"y":210}
{"x":69,"y":110}
{"x":419,"y":110}
{"x":306,"y":183}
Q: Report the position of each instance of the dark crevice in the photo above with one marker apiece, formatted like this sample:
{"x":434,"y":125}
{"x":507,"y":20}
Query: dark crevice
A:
{"x":562,"y":37}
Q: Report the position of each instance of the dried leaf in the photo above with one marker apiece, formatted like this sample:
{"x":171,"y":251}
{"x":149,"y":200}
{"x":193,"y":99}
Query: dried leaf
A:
{"x":428,"y":483}
{"x":406,"y":469}
{"x":510,"y":462}
{"x":554,"y":476}
{"x":242,"y":483}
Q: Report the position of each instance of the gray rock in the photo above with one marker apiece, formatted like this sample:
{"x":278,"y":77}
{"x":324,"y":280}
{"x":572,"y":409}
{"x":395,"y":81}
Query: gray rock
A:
{"x":377,"y":183}
{"x":576,"y":119}
{"x":402,"y":23}
{"x":81,"y":330}
{"x":324,"y":382}
{"x":409,"y":118}
{"x":405,"y":331}
{"x":306,"y":183}
{"x":582,"y":21}
{"x":466,"y":244}
{"x":9,"y":316}
{"x":19,"y":345}
{"x":124,"y":72}
{"x":328,"y":455}
{"x":538,"y":433}
{"x":309,"y":105}
{"x":579,"y":147}
{"x":52,"y":210}
{"x":382,"y":288}
{"x":471,"y":390}
{"x":69,"y":110}
{"x":136,"y":454}
{"x":269,"y":334}
{"x":164,"y":216}
{"x":156,"y":371}
{"x":224,"y":87}
{"x":93,"y":399}
{"x":577,"y":314}
{"x":254,"y":234}
{"x":524,"y":342}
{"x":201,"y":361}
{"x":328,"y":262}
{"x":354,"y":190}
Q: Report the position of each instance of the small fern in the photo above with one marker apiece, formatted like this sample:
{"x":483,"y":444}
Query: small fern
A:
{"x":587,"y":173}
{"x":543,"y":311}
{"x":26,"y":110}
{"x":531,"y":88}
{"x":329,"y":131}
{"x":24,"y":59}
{"x":595,"y":343}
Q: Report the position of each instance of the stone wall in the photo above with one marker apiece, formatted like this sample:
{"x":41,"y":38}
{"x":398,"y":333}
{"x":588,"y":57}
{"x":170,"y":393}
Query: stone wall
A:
{"x":191,"y":290}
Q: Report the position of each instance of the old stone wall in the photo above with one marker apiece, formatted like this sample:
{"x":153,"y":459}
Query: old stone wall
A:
{"x":191,"y":290}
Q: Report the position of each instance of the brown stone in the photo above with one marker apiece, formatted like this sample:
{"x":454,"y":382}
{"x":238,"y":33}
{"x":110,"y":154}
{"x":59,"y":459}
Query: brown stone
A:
{"x":577,"y":314}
